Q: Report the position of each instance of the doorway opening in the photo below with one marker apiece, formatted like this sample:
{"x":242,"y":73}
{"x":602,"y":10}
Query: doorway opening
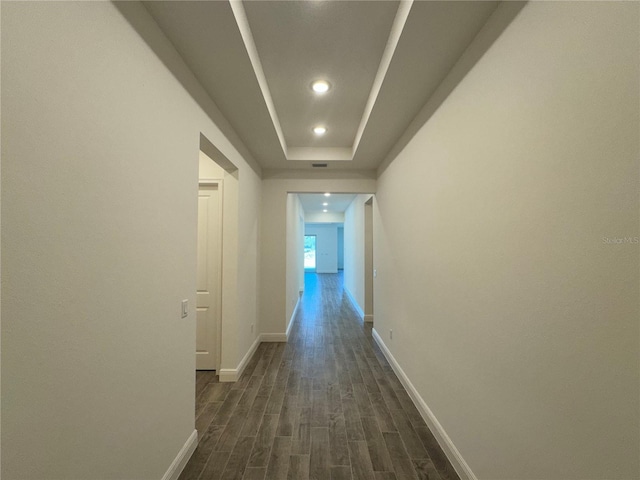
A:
{"x":310,"y":260}
{"x":208,"y":286}
{"x":336,"y":238}
{"x":216,"y":285}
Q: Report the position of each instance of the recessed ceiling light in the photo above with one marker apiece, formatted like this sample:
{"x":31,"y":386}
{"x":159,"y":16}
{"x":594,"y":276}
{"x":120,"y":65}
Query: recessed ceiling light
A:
{"x":320,"y":86}
{"x":325,"y":204}
{"x":325,"y":210}
{"x":327,"y":194}
{"x":319,"y":130}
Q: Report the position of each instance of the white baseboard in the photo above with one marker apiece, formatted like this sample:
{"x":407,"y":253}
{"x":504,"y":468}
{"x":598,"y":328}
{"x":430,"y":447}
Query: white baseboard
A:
{"x":233,"y":374}
{"x":450,"y":450}
{"x":354,"y":303}
{"x":368,"y":318}
{"x":293,"y":315}
{"x":228,"y":375}
{"x":178,"y":464}
{"x":273,"y":337}
{"x":282,"y":337}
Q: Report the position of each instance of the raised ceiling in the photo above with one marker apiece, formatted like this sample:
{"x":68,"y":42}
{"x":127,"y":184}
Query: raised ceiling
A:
{"x":383,"y":59}
{"x":328,"y":45}
{"x":336,"y":203}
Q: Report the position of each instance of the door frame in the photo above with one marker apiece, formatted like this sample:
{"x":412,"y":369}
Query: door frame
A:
{"x":217,"y":182}
{"x":368,"y":261}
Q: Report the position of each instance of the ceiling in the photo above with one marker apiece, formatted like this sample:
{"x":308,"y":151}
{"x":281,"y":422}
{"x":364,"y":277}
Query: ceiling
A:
{"x":258,"y":59}
{"x":337,"y":202}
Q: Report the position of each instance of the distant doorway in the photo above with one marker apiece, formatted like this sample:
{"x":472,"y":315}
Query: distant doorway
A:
{"x":309,"y":253}
{"x":208,"y":275}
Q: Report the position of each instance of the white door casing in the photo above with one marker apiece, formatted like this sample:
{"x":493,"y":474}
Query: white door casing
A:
{"x":209,"y":269}
{"x":368,"y":260}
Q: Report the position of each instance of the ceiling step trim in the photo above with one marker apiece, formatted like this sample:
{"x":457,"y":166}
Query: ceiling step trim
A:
{"x":392,"y":43}
{"x":249,"y":43}
{"x":303,"y":153}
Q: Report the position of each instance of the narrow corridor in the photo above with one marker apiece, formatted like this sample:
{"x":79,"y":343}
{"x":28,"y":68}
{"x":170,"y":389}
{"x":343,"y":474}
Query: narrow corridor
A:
{"x":326,"y":405}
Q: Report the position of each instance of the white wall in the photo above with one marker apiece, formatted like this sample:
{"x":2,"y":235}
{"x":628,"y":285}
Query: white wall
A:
{"x":274,"y":297}
{"x":326,"y":246}
{"x":354,"y":250}
{"x":295,"y":254}
{"x":248,"y":311}
{"x":100,"y":147}
{"x":322,"y":217}
{"x":513,"y":318}
{"x":208,"y":169}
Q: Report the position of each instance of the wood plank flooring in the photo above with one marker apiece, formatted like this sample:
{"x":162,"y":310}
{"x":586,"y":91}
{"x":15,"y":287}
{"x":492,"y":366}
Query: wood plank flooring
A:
{"x":324,"y":406}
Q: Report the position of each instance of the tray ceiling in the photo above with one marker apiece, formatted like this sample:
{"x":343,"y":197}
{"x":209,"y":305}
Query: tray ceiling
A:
{"x":382,"y":59}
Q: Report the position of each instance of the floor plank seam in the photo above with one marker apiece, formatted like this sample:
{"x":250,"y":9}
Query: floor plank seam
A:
{"x":327,"y":404}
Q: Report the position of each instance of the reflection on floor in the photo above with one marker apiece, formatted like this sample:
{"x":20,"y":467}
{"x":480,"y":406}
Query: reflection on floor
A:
{"x":326,"y":405}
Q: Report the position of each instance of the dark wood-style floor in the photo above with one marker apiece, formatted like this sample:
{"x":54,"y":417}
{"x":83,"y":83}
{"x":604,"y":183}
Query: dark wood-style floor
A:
{"x":326,"y":406}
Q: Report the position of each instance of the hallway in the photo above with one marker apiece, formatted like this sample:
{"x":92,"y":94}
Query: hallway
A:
{"x":325,"y":405}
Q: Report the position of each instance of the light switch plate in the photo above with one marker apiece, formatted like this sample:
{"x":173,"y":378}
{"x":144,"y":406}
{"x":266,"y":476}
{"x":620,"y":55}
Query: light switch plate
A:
{"x":185,"y":308}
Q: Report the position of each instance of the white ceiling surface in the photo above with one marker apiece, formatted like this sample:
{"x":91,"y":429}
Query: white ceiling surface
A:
{"x":338,"y":202}
{"x":299,"y":41}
